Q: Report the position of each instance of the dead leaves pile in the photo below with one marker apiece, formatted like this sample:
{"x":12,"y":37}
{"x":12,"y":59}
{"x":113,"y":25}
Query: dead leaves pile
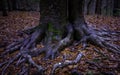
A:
{"x":15,"y":22}
{"x":111,"y":23}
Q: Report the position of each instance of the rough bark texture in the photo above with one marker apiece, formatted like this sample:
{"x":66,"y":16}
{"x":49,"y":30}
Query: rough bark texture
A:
{"x":53,"y":12}
{"x":107,"y":7}
{"x":90,"y":7}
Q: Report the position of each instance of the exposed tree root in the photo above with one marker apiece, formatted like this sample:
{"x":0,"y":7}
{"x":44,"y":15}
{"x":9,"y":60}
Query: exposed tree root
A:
{"x":29,"y":58}
{"x":66,"y":63}
{"x":96,"y":38}
{"x":24,"y":70}
{"x":104,"y":44}
{"x":27,"y":46}
{"x":62,"y":43}
{"x":9,"y":63}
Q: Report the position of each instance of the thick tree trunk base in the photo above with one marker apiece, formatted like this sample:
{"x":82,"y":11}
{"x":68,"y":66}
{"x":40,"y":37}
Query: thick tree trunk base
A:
{"x":27,"y":46}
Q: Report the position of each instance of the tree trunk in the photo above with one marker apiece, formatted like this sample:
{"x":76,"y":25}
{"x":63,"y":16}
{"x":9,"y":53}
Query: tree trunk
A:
{"x":98,"y":7}
{"x":104,"y":7}
{"x":86,"y":6}
{"x":116,"y":8}
{"x":3,"y":6}
{"x":54,"y":12}
{"x":107,"y":7}
{"x":110,"y":6}
{"x":9,"y":4}
{"x":90,"y":7}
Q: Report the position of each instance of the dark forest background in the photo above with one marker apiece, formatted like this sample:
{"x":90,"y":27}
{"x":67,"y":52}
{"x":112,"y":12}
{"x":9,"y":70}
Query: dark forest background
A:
{"x":102,"y":7}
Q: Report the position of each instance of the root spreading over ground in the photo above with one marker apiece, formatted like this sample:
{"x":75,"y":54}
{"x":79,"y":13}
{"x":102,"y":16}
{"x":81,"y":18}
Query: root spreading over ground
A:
{"x":26,"y":49}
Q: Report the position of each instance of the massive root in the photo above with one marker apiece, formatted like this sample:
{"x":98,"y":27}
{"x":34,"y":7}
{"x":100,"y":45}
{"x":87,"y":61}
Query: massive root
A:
{"x":27,"y":46}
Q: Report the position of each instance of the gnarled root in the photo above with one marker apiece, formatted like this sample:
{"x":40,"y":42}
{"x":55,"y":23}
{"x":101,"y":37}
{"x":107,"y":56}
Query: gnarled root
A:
{"x":66,"y":63}
{"x":62,"y":43}
{"x":27,"y":50}
{"x":98,"y":38}
{"x":104,"y":44}
{"x":24,"y":47}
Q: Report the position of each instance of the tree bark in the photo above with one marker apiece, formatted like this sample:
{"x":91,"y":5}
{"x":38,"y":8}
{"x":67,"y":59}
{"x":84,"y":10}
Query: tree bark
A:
{"x":3,"y":5}
{"x":90,"y":7}
{"x":107,"y":7}
{"x":9,"y":4}
{"x":14,"y":5}
{"x":98,"y":7}
{"x":53,"y":11}
{"x":110,"y":6}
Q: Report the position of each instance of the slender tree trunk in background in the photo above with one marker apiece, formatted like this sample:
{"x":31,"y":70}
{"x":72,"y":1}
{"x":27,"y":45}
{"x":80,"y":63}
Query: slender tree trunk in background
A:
{"x":9,"y":4}
{"x":14,"y":4}
{"x":86,"y":6}
{"x":90,"y":6}
{"x":18,"y":4}
{"x":107,"y":7}
{"x":110,"y":7}
{"x":117,"y":8}
{"x":104,"y":7}
{"x":98,"y":7}
{"x":29,"y":5}
{"x":3,"y":5}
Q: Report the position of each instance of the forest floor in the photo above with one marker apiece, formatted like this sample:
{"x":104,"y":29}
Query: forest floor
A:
{"x":92,"y":63}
